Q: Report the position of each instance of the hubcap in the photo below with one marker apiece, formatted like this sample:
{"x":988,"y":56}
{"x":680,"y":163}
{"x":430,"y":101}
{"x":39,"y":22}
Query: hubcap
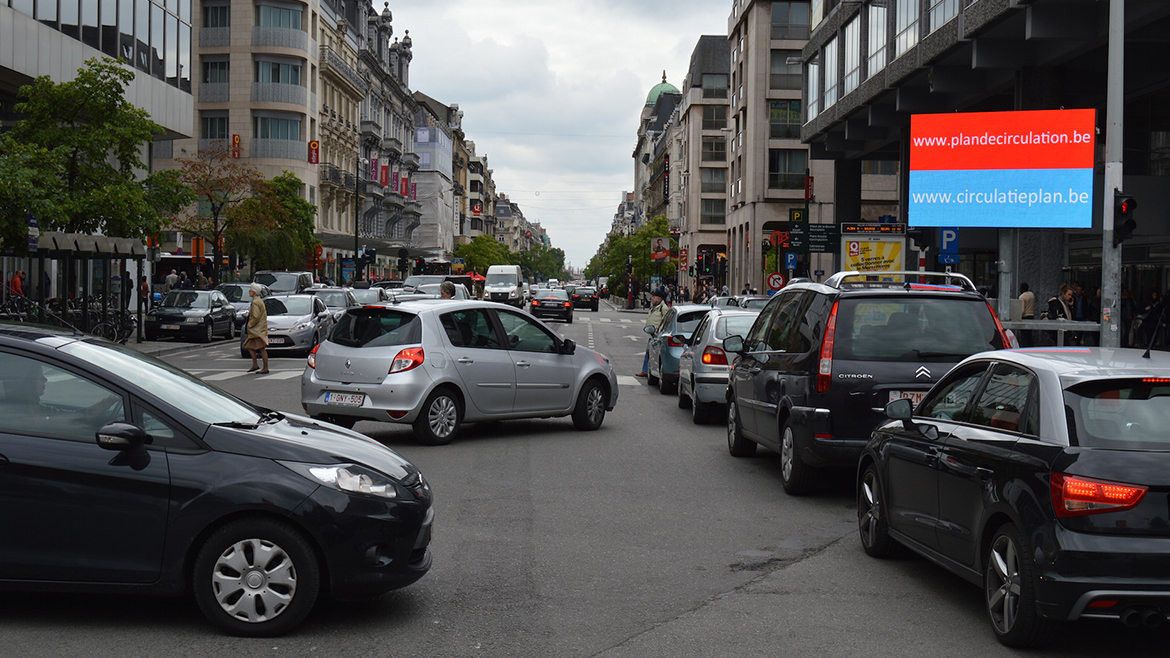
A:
{"x":254,"y":580}
{"x":442,"y":416}
{"x":594,"y":405}
{"x":787,"y":453}
{"x":731,"y":424}
{"x":1003,"y":584}
{"x":869,"y":519}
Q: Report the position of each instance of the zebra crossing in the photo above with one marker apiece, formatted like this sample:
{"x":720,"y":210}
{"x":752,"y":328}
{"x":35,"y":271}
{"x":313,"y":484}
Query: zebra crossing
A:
{"x":224,"y":375}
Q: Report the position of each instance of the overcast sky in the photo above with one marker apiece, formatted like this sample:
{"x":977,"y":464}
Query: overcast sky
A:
{"x":551,"y":92}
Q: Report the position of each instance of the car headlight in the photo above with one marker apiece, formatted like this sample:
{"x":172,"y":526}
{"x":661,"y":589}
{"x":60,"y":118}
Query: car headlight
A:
{"x":303,"y":326}
{"x":350,"y":478}
{"x":242,"y":313}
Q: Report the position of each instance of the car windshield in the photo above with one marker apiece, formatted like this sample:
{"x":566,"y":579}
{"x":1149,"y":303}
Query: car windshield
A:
{"x":736,"y":325}
{"x":553,"y":294}
{"x":367,"y":295}
{"x":187,"y":299}
{"x":185,"y":392}
{"x":234,"y":293}
{"x":277,"y":281}
{"x":756,"y":303}
{"x":500,"y":279}
{"x":922,"y":328}
{"x":1121,"y":414}
{"x":688,"y":321}
{"x":333,"y":298}
{"x":289,"y":305}
{"x":375,"y":327}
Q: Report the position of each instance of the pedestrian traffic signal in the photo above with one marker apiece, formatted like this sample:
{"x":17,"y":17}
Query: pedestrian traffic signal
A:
{"x":370,"y":256}
{"x":403,"y":266}
{"x":691,"y":270}
{"x":1123,"y":222}
{"x":420,"y":265}
{"x":629,"y":268}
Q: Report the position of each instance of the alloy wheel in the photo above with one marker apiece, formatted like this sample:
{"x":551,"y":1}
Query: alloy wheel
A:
{"x":595,"y":405}
{"x":868,"y":523}
{"x":1003,"y":584}
{"x":442,"y":416}
{"x":787,"y":453}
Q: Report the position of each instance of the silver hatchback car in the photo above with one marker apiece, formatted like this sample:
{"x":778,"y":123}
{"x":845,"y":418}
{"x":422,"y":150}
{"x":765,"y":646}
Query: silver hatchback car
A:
{"x":436,"y":364}
{"x":703,"y":365}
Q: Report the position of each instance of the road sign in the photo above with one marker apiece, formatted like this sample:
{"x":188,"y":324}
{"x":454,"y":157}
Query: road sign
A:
{"x":775,"y":281}
{"x":948,"y":240}
{"x":790,"y":261}
{"x":948,"y":259}
{"x":823,"y":239}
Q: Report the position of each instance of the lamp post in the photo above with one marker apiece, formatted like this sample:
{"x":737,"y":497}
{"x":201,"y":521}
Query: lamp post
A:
{"x":357,"y":209}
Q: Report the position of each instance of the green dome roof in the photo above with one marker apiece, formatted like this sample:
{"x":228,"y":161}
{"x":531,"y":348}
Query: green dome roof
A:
{"x":663,"y":87}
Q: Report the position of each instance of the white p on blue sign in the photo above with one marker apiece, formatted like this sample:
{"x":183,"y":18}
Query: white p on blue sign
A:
{"x":948,"y":240}
{"x":790,"y":261}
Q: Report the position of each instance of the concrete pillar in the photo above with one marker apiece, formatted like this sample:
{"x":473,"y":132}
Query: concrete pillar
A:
{"x":847,"y":190}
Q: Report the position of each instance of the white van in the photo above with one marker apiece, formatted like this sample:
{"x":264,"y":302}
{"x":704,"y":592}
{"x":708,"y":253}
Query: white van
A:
{"x":503,"y":285}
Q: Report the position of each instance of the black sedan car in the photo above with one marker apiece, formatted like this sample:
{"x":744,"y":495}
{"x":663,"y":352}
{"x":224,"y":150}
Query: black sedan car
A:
{"x":237,"y":296}
{"x":1042,"y":475}
{"x":551,"y":303}
{"x":585,"y":298}
{"x":191,"y":314}
{"x":124,"y":474}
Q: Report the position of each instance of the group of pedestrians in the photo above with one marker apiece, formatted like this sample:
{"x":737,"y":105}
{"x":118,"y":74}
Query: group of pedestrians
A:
{"x":180,"y":281}
{"x":1141,"y":322}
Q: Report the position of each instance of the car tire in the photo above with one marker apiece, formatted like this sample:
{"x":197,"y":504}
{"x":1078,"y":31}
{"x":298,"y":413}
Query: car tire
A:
{"x":651,"y":380}
{"x":569,"y":319}
{"x":208,"y":334}
{"x":737,"y":444}
{"x":244,"y":353}
{"x":590,"y":408}
{"x":700,"y":412}
{"x":150,"y":335}
{"x":684,"y":402}
{"x":231,"y":331}
{"x":1013,"y":614}
{"x":313,"y":344}
{"x":871,"y":516}
{"x":664,"y":386}
{"x":796,"y":475}
{"x":272,"y":594}
{"x":438,"y":420}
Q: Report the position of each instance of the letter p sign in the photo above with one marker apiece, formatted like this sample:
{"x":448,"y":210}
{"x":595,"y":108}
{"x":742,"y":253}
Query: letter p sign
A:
{"x":948,"y":240}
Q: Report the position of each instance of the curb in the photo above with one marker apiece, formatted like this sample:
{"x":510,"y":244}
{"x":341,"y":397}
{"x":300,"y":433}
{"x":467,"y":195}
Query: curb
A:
{"x":613,"y":307}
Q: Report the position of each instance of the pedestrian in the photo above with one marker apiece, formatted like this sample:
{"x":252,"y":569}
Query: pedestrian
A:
{"x":446,"y":290}
{"x":725,"y":291}
{"x":1028,"y":302}
{"x":1128,"y":313}
{"x":16,"y":290}
{"x":747,"y":289}
{"x":144,"y":291}
{"x":172,"y":280}
{"x":184,"y":283}
{"x":204,"y":282}
{"x":1060,"y":306}
{"x":257,"y":329}
{"x":654,"y":320}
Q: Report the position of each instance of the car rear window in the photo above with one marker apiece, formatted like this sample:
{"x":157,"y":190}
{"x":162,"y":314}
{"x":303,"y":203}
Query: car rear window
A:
{"x":333,"y":298}
{"x":553,"y":294}
{"x":278,"y":281}
{"x":376,"y":327}
{"x":738,"y":325}
{"x":921,"y":328}
{"x":1122,"y":414}
{"x":688,"y":321}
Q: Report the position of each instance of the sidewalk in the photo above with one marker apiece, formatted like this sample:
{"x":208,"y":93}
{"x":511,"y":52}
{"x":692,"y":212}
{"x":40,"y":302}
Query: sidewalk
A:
{"x":622,"y":308}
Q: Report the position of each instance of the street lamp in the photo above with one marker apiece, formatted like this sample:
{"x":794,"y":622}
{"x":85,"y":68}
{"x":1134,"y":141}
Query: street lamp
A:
{"x":357,"y":209}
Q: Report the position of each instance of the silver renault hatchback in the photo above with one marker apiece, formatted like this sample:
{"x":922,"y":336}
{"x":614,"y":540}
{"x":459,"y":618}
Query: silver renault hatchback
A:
{"x":436,"y":364}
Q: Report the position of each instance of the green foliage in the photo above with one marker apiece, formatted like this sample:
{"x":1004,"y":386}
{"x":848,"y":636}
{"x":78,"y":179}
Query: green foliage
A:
{"x":284,"y":242}
{"x":484,"y":251}
{"x":611,"y":260}
{"x":542,"y":263}
{"x":74,"y":159}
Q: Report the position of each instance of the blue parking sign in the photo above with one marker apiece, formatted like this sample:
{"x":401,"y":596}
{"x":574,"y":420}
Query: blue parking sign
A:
{"x":948,"y":240}
{"x":789,"y":261}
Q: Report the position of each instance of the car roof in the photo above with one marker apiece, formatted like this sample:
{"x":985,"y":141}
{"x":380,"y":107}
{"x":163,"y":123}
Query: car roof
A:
{"x":1077,"y":364}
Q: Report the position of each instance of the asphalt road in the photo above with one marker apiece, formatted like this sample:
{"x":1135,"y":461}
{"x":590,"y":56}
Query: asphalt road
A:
{"x":644,"y":538}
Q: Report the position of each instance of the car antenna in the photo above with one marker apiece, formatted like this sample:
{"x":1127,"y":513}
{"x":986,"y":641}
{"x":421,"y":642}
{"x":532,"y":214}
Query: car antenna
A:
{"x":1154,"y":333}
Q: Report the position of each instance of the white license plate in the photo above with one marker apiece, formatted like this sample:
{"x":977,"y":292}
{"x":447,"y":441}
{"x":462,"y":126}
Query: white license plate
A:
{"x":913,"y":396}
{"x":276,"y":341}
{"x":345,"y":399}
{"x":169,"y":327}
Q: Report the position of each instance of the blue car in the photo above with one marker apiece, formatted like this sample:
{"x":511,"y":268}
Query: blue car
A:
{"x":667,"y":345}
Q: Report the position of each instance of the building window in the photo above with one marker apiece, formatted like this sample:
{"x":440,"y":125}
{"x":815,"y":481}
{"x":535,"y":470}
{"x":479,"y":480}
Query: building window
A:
{"x":274,"y":128}
{"x":814,"y":90}
{"x":906,"y":19}
{"x":713,"y":211}
{"x":714,"y":117}
{"x":832,"y":78}
{"x":278,"y":17}
{"x":879,"y":167}
{"x":942,"y":11}
{"x":714,"y":149}
{"x":877,"y":41}
{"x":217,"y":16}
{"x":714,"y":85}
{"x":278,"y":73}
{"x":714,"y":180}
{"x":216,"y":72}
{"x":852,"y":58}
{"x":816,"y":12}
{"x":786,"y":169}
{"x":785,"y":75}
{"x":790,"y":20}
{"x":213,"y":128}
{"x":784,"y":119}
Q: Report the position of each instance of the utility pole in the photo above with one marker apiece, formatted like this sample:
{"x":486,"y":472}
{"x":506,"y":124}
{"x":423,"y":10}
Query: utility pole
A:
{"x":1114,"y":110}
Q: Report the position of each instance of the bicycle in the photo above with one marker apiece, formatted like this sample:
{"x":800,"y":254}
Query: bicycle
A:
{"x":119,"y":328}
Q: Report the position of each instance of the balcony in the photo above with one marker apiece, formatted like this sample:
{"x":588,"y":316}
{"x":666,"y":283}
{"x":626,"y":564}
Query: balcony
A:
{"x":215,"y":37}
{"x":392,"y":146}
{"x":275,"y":92}
{"x":279,"y":37}
{"x":410,"y":160}
{"x":215,"y":92}
{"x":330,"y":174}
{"x":335,"y":64}
{"x":280,"y":149}
{"x":371,"y":128}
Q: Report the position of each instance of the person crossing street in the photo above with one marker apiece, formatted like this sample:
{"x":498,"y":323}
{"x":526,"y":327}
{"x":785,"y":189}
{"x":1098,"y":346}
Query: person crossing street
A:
{"x":654,"y":319}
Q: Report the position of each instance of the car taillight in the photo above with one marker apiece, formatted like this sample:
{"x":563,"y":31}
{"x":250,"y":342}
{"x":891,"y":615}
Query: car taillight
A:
{"x":1003,"y":336}
{"x":567,"y":304}
{"x":576,"y":296}
{"x":673,"y":342}
{"x":313,"y":357}
{"x":1073,"y":495}
{"x":411,"y":357}
{"x":535,"y":303}
{"x":825,"y":365}
{"x":714,"y":356}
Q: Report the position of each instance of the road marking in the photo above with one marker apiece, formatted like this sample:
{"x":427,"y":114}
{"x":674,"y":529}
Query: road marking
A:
{"x":625,"y":320}
{"x":635,"y":338}
{"x":628,"y":380}
{"x":288,"y":374}
{"x":221,"y":376}
{"x":606,"y":320}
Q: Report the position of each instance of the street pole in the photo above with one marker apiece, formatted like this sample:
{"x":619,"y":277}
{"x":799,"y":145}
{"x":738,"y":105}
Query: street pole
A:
{"x":1114,"y":110}
{"x":357,"y":208}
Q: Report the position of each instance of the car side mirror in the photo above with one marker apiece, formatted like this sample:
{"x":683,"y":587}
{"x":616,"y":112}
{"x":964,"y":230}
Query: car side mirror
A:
{"x":122,"y":436}
{"x":733,"y":344}
{"x":902,"y":410}
{"x":648,"y":329}
{"x":568,"y":346}
{"x":324,"y":314}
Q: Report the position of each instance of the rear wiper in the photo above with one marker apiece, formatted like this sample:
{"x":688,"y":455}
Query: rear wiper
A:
{"x":237,"y":424}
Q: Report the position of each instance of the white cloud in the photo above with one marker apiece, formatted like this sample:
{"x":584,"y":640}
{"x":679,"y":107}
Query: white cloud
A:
{"x":551,"y":91}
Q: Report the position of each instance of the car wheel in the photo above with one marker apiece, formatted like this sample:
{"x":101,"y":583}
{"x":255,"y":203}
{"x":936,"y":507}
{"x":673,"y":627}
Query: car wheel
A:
{"x":795,"y":474}
{"x":871,"y":516}
{"x":684,"y":402}
{"x":569,"y":319}
{"x":256,"y":578}
{"x":313,"y":344}
{"x":1010,"y":588}
{"x":590,"y":409}
{"x":737,"y":444}
{"x":244,"y":354}
{"x":650,"y":378}
{"x":663,"y":384}
{"x":438,"y":422}
{"x":208,"y":333}
{"x":231,"y":331}
{"x":150,"y":335}
{"x":699,"y":412}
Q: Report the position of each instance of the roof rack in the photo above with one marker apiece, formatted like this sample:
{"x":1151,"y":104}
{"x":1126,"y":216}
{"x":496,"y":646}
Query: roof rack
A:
{"x":838,"y":280}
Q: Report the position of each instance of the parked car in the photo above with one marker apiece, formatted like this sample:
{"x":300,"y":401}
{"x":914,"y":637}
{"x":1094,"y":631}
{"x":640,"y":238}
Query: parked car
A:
{"x":667,"y":344}
{"x":295,"y":322}
{"x":552,"y":302}
{"x":337,"y":299}
{"x":754,"y":302}
{"x":126,"y":474}
{"x":284,"y":281}
{"x":484,"y":361}
{"x":371,"y":295}
{"x":703,"y":365}
{"x":723,"y":301}
{"x":237,"y":296}
{"x":191,"y":314}
{"x":1041,"y":475}
{"x":821,"y":361}
{"x":585,"y":298}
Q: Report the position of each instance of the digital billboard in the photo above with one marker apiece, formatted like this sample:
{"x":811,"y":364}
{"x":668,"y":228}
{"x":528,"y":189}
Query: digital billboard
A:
{"x":1027,"y":169}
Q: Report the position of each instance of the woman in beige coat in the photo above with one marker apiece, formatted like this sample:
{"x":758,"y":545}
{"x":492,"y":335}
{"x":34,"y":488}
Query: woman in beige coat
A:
{"x":257,"y":341}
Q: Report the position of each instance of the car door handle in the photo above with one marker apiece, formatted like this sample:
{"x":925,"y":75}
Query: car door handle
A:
{"x":522,"y":364}
{"x":466,"y":360}
{"x":753,"y":370}
{"x":932,"y":458}
{"x":984,"y":473}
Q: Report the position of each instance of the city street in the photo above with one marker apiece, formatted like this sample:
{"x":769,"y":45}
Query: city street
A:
{"x":644,"y":538}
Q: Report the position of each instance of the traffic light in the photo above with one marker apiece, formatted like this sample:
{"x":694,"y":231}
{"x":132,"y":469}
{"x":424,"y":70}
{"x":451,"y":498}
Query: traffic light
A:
{"x":1123,"y":222}
{"x":705,"y":263}
{"x":691,"y":270}
{"x":403,"y":266}
{"x":629,"y":267}
{"x":420,"y":265}
{"x":370,"y":256}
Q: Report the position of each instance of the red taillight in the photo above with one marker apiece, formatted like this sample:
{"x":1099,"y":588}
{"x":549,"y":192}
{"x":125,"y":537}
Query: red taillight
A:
{"x":672,"y":342}
{"x":407,"y":359}
{"x":535,"y":303}
{"x":568,"y":304}
{"x":1007,"y":342}
{"x":713,"y":356}
{"x":825,"y":364}
{"x":576,"y":296}
{"x":313,"y":357}
{"x":1073,"y":495}
{"x":397,"y":414}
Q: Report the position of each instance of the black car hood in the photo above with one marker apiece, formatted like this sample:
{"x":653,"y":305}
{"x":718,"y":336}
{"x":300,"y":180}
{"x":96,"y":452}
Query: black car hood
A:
{"x":301,"y":439}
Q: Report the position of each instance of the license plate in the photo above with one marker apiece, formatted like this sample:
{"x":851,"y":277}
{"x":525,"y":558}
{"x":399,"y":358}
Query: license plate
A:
{"x":169,"y":327}
{"x":276,"y":341}
{"x":913,"y":396}
{"x":345,"y":399}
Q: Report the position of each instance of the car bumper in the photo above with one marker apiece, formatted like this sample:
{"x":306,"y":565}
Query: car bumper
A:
{"x":401,"y":393}
{"x":181,"y":328}
{"x":279,"y":339}
{"x":563,"y":313}
{"x":819,"y":446}
{"x":710,"y":388}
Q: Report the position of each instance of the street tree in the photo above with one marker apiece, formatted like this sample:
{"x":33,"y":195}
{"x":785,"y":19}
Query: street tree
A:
{"x":285,"y":237}
{"x":484,"y":251}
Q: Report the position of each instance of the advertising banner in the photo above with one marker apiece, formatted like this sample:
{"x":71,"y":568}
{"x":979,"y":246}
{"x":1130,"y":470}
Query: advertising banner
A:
{"x":1029,"y":169}
{"x":872,"y":253}
{"x":659,"y":250}
{"x":314,"y":152}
